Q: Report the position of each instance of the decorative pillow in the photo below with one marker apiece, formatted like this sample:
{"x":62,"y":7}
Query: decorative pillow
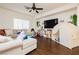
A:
{"x":18,"y":33}
{"x":9,"y":32}
{"x":2,"y":32}
{"x":25,"y":37}
{"x":21,"y":35}
{"x":4,"y":39}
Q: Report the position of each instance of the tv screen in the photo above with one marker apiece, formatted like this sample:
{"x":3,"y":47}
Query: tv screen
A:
{"x":50,"y":23}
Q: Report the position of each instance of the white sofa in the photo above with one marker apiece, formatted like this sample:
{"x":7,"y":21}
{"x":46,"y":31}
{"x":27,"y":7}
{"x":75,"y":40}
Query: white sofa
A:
{"x":18,"y":47}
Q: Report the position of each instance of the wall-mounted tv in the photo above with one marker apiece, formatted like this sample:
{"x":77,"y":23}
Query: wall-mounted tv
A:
{"x":50,"y":23}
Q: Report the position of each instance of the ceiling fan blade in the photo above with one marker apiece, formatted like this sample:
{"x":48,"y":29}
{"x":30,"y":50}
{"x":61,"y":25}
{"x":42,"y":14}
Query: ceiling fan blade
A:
{"x":27,"y":7}
{"x":30,"y":10}
{"x":39,"y":8}
{"x":37,"y":11}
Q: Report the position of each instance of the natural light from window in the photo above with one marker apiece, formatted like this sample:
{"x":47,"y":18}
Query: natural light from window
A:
{"x":21,"y":24}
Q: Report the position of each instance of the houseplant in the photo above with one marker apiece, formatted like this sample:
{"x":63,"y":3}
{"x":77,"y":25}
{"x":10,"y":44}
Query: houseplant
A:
{"x":74,"y":19}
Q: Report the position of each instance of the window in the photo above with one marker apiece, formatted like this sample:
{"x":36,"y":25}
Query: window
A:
{"x":21,"y":24}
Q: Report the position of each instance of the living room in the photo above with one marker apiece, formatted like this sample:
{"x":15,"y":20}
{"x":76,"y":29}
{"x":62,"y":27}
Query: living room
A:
{"x":22,"y":17}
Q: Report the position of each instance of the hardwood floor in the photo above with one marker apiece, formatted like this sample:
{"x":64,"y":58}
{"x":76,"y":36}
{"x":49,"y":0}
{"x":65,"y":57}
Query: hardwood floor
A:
{"x":75,"y":51}
{"x":49,"y":47}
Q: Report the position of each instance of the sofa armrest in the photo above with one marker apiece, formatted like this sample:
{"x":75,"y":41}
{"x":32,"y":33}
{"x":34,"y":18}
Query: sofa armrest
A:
{"x":10,"y":44}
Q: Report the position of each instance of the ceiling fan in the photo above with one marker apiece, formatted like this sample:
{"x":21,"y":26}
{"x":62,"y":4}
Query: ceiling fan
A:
{"x":34,"y":8}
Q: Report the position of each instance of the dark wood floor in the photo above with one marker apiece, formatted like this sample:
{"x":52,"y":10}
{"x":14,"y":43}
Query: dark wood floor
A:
{"x":50,"y":47}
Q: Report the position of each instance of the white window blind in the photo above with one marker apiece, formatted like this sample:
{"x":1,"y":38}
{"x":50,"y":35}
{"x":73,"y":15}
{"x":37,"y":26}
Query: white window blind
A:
{"x":21,"y":24}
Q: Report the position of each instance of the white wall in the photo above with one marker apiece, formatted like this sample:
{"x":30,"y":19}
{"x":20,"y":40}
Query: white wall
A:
{"x":78,"y":15}
{"x":7,"y":16}
{"x":65,"y":15}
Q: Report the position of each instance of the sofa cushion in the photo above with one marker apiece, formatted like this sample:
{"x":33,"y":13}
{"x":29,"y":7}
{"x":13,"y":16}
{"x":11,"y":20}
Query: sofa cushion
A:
{"x":4,"y":39}
{"x":10,"y":45}
{"x":29,"y":42}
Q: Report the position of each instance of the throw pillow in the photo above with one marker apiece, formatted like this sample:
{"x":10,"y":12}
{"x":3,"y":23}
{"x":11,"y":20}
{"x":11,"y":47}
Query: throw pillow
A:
{"x":25,"y":37}
{"x":21,"y":35}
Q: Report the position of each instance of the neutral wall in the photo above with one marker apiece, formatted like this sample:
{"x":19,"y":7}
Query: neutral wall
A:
{"x":78,"y":15}
{"x":7,"y":16}
{"x":65,"y":15}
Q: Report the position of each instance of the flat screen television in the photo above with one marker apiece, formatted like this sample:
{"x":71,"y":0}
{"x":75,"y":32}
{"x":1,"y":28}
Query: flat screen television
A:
{"x":50,"y":23}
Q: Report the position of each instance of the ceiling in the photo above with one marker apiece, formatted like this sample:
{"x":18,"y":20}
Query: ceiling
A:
{"x":19,"y":7}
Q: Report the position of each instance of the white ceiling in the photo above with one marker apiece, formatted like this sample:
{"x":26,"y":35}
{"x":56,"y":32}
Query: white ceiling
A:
{"x":19,"y":7}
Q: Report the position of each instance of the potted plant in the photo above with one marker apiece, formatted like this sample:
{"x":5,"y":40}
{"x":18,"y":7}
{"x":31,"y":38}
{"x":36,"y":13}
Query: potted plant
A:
{"x":74,"y":19}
